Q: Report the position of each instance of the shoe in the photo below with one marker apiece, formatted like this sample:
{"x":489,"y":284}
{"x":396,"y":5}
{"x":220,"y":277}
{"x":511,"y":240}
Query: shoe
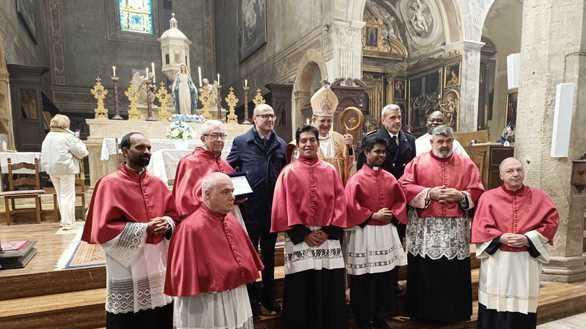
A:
{"x":380,"y":324}
{"x":270,"y":309}
{"x":66,"y":227}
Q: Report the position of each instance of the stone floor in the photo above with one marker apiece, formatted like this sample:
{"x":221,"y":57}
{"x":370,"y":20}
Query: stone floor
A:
{"x":574,"y":322}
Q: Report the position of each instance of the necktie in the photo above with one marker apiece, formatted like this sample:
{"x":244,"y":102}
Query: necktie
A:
{"x":394,"y":148}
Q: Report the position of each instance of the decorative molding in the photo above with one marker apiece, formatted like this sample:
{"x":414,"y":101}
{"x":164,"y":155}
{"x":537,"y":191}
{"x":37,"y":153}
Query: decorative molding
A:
{"x":423,"y":21}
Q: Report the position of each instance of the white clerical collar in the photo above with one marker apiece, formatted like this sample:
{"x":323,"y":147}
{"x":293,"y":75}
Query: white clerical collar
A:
{"x":392,"y":135}
{"x":323,"y":138}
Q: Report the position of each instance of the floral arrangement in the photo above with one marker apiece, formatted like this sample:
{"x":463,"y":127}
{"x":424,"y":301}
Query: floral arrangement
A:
{"x":179,"y":130}
{"x":188,"y":118}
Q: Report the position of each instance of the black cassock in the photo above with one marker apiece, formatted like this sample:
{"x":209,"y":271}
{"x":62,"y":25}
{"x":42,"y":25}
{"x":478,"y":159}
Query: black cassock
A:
{"x":439,"y":290}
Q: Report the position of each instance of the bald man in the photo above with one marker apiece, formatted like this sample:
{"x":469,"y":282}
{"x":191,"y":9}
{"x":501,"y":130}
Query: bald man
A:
{"x":260,"y":154}
{"x":512,"y":228}
{"x":210,"y":283}
{"x":423,"y":142}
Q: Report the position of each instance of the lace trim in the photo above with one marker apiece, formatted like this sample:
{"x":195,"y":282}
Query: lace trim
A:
{"x":300,"y":255}
{"x":437,"y":237}
{"x":391,"y":262}
{"x":132,"y":236}
{"x":123,"y":297}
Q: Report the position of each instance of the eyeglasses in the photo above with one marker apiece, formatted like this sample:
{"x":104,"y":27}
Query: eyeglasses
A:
{"x":216,"y":136}
{"x":266,"y":116}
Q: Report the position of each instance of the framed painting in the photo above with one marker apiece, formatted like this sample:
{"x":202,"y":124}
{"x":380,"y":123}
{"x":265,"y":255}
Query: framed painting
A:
{"x":253,"y":26}
{"x":399,"y":89}
{"x":28,"y":13}
{"x":511,"y":110}
{"x":452,"y":75}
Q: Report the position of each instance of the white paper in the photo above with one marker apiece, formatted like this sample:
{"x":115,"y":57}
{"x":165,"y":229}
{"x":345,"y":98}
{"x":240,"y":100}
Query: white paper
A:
{"x":241,"y":185}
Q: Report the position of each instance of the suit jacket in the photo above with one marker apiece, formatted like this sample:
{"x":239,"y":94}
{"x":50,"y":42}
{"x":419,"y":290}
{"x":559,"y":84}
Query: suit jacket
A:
{"x":262,"y":164}
{"x":395,"y":162}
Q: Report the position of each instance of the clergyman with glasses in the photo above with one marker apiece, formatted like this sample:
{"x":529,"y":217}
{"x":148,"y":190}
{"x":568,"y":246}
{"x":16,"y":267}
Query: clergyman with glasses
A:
{"x":193,"y":167}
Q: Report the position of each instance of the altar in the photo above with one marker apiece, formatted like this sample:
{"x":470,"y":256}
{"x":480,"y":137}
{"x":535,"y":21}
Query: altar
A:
{"x":107,"y":132}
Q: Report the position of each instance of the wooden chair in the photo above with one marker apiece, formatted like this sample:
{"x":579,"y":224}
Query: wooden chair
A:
{"x":26,"y":186}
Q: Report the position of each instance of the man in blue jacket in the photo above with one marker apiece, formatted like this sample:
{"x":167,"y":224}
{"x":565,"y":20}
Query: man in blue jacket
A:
{"x":261,"y":154}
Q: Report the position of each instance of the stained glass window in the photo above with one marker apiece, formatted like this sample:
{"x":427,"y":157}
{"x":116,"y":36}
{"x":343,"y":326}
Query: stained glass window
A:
{"x":136,"y":16}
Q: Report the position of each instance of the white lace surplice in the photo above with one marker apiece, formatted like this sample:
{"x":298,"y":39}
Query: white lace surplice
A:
{"x":301,"y":257}
{"x":373,"y":249}
{"x":437,"y":237}
{"x":509,"y":281}
{"x":135,"y":271}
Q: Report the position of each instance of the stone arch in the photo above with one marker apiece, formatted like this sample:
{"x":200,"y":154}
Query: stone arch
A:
{"x":6,"y":125}
{"x":310,"y":71}
{"x":451,"y":20}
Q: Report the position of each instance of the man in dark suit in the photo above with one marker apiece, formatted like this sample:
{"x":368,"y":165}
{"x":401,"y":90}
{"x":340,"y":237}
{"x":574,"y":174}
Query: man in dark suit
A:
{"x":261,"y":154}
{"x":400,"y":144}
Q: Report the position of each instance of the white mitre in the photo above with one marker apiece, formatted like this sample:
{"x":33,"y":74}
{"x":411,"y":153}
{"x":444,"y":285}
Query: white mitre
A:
{"x":324,"y":102}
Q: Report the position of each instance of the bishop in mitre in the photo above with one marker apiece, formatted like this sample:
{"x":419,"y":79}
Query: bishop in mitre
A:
{"x":334,"y":147}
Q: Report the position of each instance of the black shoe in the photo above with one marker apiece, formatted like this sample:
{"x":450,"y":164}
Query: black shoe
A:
{"x":270,"y":309}
{"x":380,"y":323}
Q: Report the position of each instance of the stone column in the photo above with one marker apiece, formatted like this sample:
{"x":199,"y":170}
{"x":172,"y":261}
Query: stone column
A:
{"x":346,"y":50}
{"x":300,"y":100}
{"x":469,"y":83}
{"x":551,"y":53}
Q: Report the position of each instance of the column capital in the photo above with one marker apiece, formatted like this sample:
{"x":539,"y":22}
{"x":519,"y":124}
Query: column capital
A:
{"x":465,"y":45}
{"x":348,"y":24}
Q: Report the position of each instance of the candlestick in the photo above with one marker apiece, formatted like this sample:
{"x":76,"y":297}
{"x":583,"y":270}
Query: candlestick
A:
{"x":219,"y":101}
{"x":246,"y":122}
{"x":199,"y":75}
{"x":149,"y":91}
{"x":116,"y":104}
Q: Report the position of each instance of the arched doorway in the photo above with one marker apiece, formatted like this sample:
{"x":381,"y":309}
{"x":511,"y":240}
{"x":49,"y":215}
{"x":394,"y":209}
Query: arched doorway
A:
{"x":502,"y":36}
{"x":310,"y":73}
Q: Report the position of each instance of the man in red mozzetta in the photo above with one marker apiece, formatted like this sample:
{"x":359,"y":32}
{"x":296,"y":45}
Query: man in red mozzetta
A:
{"x":512,"y":228}
{"x":130,"y":214}
{"x":211,"y":259}
{"x":442,"y":187}
{"x":310,"y":207}
{"x":193,"y":167}
{"x":372,"y":248}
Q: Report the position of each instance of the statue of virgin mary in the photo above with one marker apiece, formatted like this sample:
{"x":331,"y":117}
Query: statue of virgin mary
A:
{"x":184,"y":92}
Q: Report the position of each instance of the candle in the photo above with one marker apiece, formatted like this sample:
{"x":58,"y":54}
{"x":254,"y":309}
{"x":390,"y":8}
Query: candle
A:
{"x":114,"y":71}
{"x":199,"y":74}
{"x":245,"y":82}
{"x":153,"y":69}
{"x":218,"y":78}
{"x":147,"y":72}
